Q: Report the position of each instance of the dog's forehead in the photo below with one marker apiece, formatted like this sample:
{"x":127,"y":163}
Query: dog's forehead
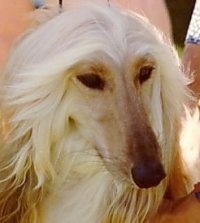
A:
{"x":100,"y":24}
{"x":117,"y":34}
{"x":115,"y":26}
{"x":79,"y":33}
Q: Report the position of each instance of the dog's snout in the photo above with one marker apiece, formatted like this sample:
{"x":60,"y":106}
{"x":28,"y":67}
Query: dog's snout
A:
{"x":148,"y":175}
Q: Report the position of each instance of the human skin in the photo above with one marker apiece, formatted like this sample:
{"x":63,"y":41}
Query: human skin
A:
{"x":159,"y":16}
{"x":13,"y":21}
{"x":190,"y":59}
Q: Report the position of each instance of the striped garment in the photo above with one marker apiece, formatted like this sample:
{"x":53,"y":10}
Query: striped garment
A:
{"x":193,"y":33}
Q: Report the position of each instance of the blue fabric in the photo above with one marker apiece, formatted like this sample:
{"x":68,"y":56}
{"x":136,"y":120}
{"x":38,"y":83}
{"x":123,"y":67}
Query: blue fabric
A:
{"x":193,"y":34}
{"x":38,"y":3}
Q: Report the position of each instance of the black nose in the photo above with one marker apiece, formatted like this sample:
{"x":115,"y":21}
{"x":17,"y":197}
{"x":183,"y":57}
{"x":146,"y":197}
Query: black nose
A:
{"x":148,"y":175}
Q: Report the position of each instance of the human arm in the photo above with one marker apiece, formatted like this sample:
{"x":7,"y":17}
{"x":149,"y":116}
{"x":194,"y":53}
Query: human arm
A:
{"x":13,"y":21}
{"x":191,"y":53}
{"x":191,"y":62}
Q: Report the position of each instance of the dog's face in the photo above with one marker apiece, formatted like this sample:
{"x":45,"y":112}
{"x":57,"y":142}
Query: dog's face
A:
{"x":107,"y":75}
{"x":111,"y":108}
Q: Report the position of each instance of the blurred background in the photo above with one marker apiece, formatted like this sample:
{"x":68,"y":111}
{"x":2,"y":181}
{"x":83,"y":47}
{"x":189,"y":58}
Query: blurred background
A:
{"x":13,"y":20}
{"x":180,"y":12}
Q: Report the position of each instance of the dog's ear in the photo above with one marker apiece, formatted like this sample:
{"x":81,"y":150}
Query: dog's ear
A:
{"x":34,"y":118}
{"x":20,"y":190}
{"x":19,"y":200}
{"x":27,"y":164}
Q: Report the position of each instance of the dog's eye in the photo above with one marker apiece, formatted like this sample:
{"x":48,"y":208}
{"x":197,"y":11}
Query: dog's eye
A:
{"x":145,"y":73}
{"x":92,"y":81}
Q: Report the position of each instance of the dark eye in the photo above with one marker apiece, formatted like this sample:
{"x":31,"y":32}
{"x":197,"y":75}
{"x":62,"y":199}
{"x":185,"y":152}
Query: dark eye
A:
{"x":93,"y":81}
{"x":145,"y":73}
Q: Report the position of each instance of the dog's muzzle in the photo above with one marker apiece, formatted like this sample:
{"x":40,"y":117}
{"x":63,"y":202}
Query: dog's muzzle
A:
{"x":148,"y":175}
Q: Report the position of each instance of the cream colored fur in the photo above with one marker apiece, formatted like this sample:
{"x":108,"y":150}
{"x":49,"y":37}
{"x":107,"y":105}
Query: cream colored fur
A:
{"x":190,"y":143}
{"x":63,"y":154}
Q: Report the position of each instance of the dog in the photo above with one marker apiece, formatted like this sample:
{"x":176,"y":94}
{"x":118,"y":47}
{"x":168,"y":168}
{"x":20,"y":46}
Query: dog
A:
{"x":91,"y":107}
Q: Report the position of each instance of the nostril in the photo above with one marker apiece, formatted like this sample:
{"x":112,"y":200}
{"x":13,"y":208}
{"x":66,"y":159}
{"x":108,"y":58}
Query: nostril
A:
{"x":146,"y":176}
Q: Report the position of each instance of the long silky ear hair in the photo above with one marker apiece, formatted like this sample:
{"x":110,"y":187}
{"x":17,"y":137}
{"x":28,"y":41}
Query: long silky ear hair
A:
{"x":25,"y":160}
{"x":19,"y":194}
{"x":33,"y":80}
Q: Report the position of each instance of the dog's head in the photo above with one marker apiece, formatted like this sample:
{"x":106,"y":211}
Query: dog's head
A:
{"x":104,"y":75}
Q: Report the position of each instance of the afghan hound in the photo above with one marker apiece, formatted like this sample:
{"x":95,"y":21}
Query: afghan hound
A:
{"x":91,"y":107}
